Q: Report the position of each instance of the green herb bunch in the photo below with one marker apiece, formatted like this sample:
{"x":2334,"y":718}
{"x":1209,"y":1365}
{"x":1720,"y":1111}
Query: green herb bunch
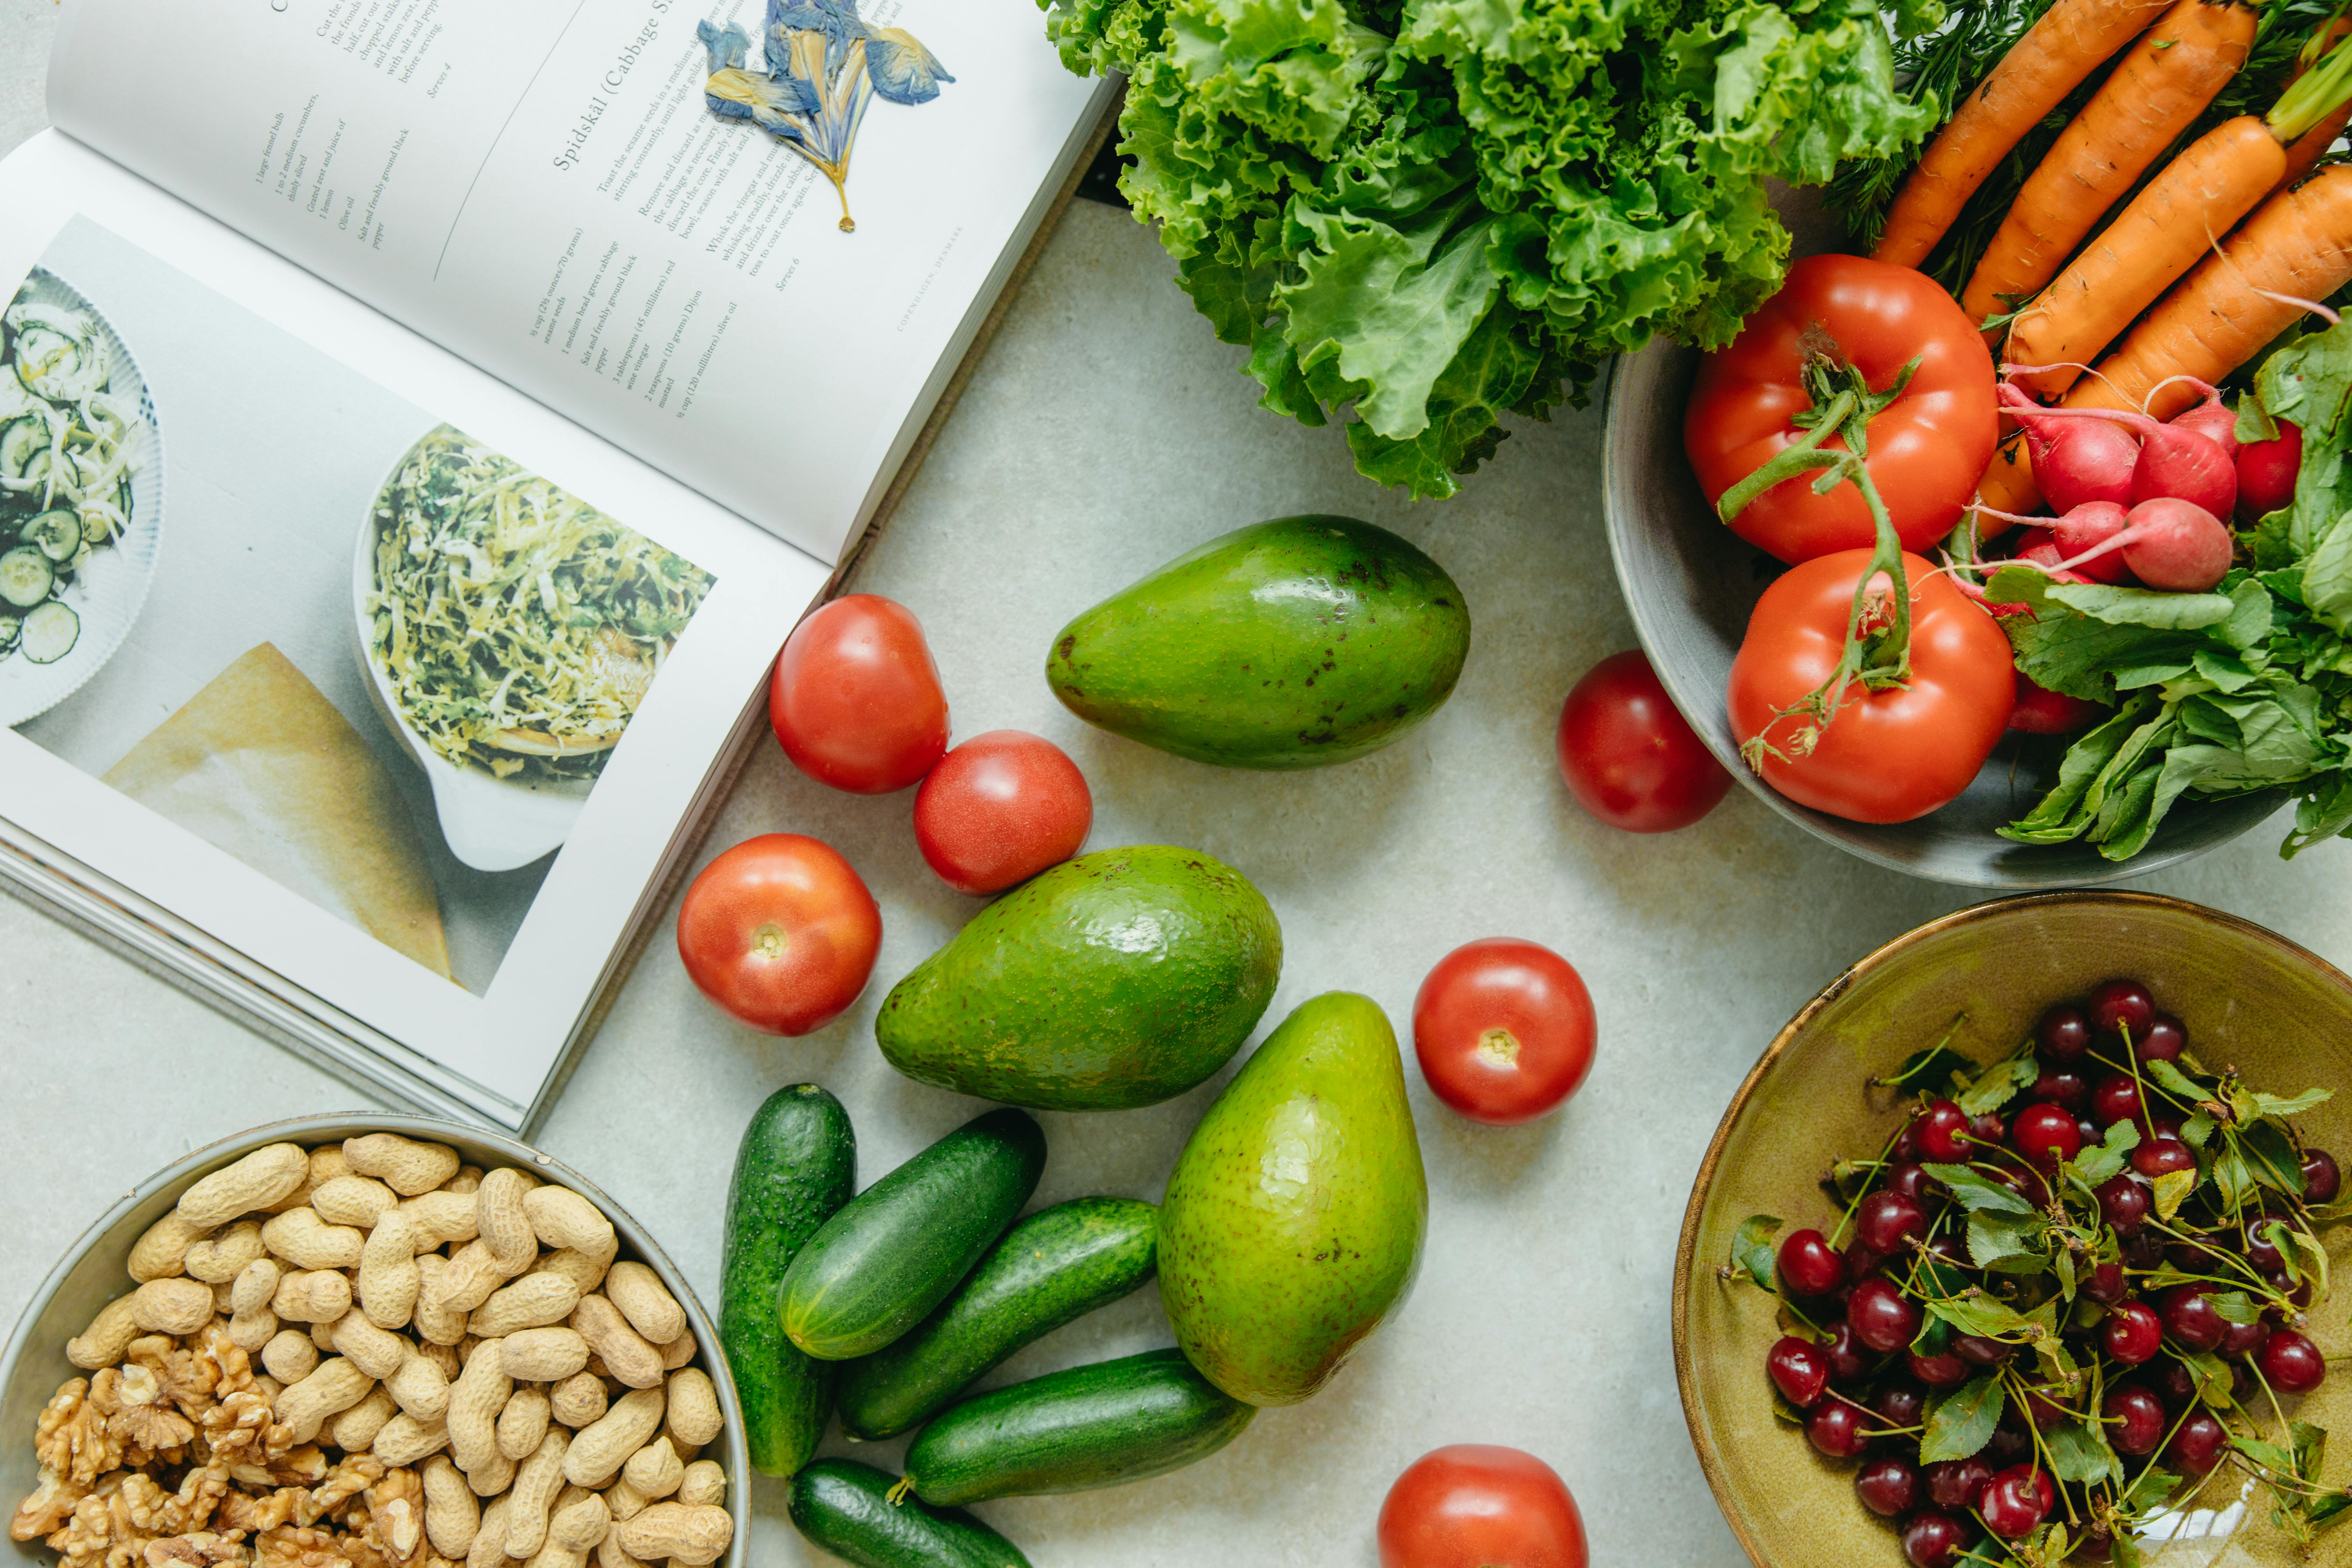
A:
{"x":1419,"y":217}
{"x":2011,"y":1255}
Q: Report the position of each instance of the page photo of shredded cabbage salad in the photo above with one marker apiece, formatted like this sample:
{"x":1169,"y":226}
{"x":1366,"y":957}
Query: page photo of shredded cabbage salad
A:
{"x":514,"y":626}
{"x":78,"y":497}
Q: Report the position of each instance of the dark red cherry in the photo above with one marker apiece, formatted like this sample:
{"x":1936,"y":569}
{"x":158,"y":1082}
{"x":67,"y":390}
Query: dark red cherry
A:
{"x":2143,"y":1249}
{"x":1861,"y":1262}
{"x":1946,"y":1370}
{"x":2045,"y":1411}
{"x":2240,"y":1341}
{"x":2163,"y":1042}
{"x":2173,"y":1384}
{"x":1883,"y":1318}
{"x":2292,"y":1364}
{"x":1988,"y":1130}
{"x":2087,"y":1131}
{"x":2015,"y":1501}
{"x":2158,"y":1156}
{"x":2321,"y":1179}
{"x":1837,"y":1429}
{"x":1912,"y":1182}
{"x":1956,"y":1484}
{"x":1845,"y":1355}
{"x":2105,"y":1284}
{"x":2122,"y":1204}
{"x":2062,"y":1086}
{"x":1885,"y":1221}
{"x":1933,"y":1539}
{"x":1889,"y":1487}
{"x":2046,"y":1135}
{"x":2136,"y":1419}
{"x":1798,"y":1369}
{"x":2196,"y":1444}
{"x":1951,"y":1249}
{"x":2011,"y":1439}
{"x":1899,"y":1404}
{"x":2114,"y":1097}
{"x":2296,"y":1291}
{"x":1942,"y":1131}
{"x":2122,"y":1008}
{"x":2131,"y":1335}
{"x":2190,"y":1317}
{"x":2260,"y":1249}
{"x":1807,"y":1265}
{"x":1978,"y":1350}
{"x":2063,"y":1033}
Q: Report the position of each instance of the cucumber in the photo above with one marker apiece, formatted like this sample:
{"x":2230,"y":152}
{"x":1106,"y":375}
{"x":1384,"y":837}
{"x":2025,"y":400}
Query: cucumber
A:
{"x":50,"y":632}
{"x":896,"y":1249}
{"x":846,"y":1508}
{"x":1050,"y":1270}
{"x":1099,"y":1426}
{"x":56,"y":533}
{"x":26,"y":576}
{"x":796,"y":1165}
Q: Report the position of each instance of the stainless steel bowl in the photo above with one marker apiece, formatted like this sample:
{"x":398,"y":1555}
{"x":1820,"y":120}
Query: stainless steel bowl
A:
{"x":1691,"y":582}
{"x":93,"y":1272}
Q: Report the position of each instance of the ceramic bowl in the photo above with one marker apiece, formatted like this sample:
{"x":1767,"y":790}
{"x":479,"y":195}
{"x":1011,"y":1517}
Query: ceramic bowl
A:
{"x":2249,"y":998}
{"x":1690,"y":583}
{"x":92,"y":1273}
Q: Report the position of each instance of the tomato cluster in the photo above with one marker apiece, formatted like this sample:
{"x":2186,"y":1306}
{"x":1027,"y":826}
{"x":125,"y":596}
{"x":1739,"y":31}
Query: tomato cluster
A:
{"x":780,"y":932}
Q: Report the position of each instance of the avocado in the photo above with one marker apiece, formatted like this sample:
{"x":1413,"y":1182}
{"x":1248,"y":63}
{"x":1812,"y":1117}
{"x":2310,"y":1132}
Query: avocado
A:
{"x":1297,"y":643}
{"x":1293,"y":1223}
{"x":1111,"y":981}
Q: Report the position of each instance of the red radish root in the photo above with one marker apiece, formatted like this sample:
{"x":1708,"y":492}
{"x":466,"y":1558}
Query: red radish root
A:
{"x":2075,"y":460}
{"x":2168,"y":543}
{"x":2266,"y":471}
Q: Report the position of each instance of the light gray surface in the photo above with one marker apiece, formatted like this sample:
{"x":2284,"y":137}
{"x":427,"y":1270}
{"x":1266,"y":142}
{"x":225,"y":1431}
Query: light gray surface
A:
{"x":1106,"y":431}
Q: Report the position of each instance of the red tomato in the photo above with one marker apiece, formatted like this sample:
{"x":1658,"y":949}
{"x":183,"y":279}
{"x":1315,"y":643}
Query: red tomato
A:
{"x":1476,"y":1506}
{"x":1928,"y":449}
{"x":1888,"y":756}
{"x":1629,"y":756}
{"x":781,"y":933}
{"x":999,"y":809}
{"x":1504,"y":1029}
{"x":855,"y":701}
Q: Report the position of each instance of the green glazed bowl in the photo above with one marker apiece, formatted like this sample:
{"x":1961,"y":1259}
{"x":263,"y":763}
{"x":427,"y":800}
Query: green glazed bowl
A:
{"x":2249,"y":997}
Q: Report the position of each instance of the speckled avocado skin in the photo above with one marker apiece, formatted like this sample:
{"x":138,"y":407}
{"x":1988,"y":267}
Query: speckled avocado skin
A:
{"x":1291,"y":644}
{"x":1115,"y":980}
{"x":1294,"y":1221}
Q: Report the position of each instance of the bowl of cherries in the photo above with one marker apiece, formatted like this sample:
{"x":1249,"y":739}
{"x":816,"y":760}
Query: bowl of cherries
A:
{"x":2014,"y":1250}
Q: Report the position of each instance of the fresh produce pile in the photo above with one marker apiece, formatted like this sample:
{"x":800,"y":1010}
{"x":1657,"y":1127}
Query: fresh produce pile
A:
{"x":370,"y":1353}
{"x":2066,"y":1296}
{"x":1432,"y":213}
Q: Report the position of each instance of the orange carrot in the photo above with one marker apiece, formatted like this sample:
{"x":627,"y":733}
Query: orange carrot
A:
{"x":2165,"y":81}
{"x":2072,"y":40}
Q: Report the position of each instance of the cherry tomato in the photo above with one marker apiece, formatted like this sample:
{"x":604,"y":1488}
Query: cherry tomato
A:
{"x":1927,"y":447}
{"x":1629,"y":756}
{"x":1887,"y":757}
{"x":999,"y":809}
{"x":1477,"y":1506}
{"x":781,"y":933}
{"x":855,"y":701}
{"x":1504,"y":1029}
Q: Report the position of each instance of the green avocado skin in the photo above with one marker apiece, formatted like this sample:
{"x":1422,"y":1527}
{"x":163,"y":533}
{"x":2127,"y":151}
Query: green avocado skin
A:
{"x":1297,"y":643}
{"x":1115,"y":980}
{"x":1293,"y":1220}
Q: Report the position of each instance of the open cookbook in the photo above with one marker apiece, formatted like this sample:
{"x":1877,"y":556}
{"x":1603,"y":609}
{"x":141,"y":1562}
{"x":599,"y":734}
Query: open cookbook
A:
{"x":420,"y":423}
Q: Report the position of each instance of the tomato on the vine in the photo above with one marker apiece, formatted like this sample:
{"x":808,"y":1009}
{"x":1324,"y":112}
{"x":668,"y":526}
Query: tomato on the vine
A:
{"x":1504,"y":1029}
{"x":1476,"y":1505}
{"x":1000,"y":808}
{"x":1927,"y":447}
{"x":1628,"y":755}
{"x":856,"y":700}
{"x":1887,"y":755}
{"x":781,"y":933}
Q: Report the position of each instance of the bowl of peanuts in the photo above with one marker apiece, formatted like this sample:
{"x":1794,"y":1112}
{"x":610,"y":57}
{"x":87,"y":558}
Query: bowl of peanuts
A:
{"x":370,"y":1342}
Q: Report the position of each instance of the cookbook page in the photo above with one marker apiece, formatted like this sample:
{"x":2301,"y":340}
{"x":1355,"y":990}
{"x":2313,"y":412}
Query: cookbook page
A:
{"x":746,"y":241}
{"x":370,"y":668}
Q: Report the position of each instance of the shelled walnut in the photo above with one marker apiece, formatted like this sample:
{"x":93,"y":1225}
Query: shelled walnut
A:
{"x":359,"y":1357}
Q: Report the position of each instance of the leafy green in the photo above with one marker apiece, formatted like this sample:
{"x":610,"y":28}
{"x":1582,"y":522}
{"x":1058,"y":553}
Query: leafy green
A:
{"x":1961,"y":1423}
{"x":1419,"y":217}
{"x":1751,"y":1247}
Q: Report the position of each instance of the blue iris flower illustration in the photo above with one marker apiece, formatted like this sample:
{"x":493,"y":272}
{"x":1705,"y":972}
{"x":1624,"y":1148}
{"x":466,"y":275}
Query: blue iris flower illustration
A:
{"x":821,"y":65}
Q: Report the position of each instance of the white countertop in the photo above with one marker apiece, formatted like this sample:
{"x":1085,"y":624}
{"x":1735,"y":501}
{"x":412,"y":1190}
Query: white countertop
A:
{"x":1105,"y":432}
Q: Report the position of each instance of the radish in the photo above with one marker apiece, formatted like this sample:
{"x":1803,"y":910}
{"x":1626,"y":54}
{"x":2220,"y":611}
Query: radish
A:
{"x":2075,"y":460}
{"x":2266,"y":471}
{"x":2041,"y":711}
{"x":2168,"y":543}
{"x":2210,"y":418}
{"x":2175,"y":461}
{"x":2087,"y":526}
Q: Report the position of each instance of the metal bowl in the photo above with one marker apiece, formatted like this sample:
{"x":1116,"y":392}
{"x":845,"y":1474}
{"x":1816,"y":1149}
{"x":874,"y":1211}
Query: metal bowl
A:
{"x":2248,"y":996}
{"x":1690,"y":583}
{"x":93,"y":1272}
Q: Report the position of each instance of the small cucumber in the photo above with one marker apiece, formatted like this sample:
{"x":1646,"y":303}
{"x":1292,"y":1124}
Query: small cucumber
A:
{"x":895,"y":1251}
{"x":1099,"y":1426}
{"x":796,"y":1165}
{"x":1050,"y":1270}
{"x":846,"y":1508}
